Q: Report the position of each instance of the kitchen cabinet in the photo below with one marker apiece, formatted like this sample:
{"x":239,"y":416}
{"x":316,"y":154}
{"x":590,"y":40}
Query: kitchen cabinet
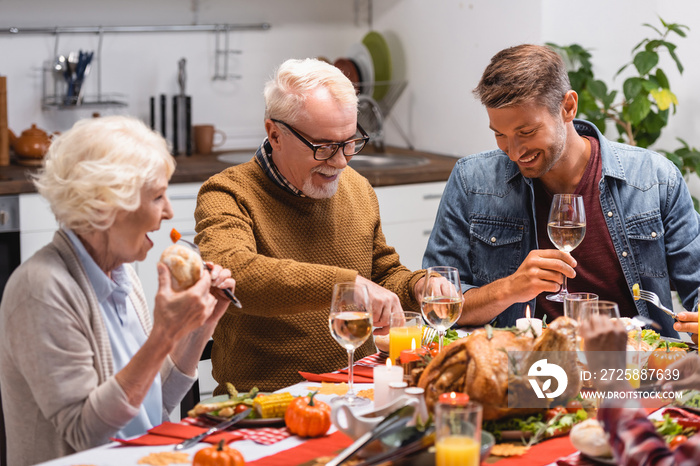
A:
{"x":36,"y":224}
{"x":408,"y":214}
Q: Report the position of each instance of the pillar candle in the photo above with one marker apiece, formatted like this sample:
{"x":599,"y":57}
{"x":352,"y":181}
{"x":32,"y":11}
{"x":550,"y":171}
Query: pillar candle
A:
{"x":524,"y":323}
{"x":383,"y":376}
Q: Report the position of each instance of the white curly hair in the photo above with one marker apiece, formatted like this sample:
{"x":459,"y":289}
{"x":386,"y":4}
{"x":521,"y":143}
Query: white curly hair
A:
{"x":98,"y":168}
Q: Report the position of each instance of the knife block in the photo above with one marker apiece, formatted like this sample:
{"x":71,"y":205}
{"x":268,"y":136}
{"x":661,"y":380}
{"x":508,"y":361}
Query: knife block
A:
{"x":4,"y":134}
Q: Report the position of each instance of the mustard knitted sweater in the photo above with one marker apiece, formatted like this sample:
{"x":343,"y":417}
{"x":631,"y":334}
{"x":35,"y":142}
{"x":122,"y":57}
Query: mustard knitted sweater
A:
{"x":286,"y":253}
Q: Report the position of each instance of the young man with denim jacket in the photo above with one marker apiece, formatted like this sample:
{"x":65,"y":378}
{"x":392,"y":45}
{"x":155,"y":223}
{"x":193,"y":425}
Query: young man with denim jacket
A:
{"x":641,"y":224}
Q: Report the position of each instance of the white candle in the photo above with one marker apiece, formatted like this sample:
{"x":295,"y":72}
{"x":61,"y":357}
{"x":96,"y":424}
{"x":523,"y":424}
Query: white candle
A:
{"x":524,"y":323}
{"x":383,"y":376}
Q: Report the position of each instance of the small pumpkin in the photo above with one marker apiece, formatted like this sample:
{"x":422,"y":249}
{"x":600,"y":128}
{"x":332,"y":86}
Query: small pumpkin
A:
{"x":307,"y":417}
{"x":218,"y":455}
{"x":661,"y":358}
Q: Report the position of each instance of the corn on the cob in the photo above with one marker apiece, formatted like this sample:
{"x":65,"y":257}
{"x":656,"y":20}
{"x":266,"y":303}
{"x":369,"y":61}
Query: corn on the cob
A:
{"x":274,"y":405}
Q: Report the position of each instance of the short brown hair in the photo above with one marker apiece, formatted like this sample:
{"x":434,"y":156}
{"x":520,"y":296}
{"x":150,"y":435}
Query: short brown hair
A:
{"x":524,"y":74}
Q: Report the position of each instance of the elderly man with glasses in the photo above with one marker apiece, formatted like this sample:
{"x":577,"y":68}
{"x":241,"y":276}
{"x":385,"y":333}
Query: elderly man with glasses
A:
{"x":291,"y":223}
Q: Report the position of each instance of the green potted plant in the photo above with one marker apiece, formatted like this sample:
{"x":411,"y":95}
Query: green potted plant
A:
{"x":641,"y":110}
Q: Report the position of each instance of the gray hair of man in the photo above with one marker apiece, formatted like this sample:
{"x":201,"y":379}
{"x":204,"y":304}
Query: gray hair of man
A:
{"x":524,"y":74}
{"x":98,"y":168}
{"x":293,"y":82}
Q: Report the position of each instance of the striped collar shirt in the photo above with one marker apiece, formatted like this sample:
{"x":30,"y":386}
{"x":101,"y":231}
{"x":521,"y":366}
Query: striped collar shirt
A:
{"x":263,"y":156}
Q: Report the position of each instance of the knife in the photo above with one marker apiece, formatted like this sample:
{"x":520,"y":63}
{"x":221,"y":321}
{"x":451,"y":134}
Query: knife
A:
{"x":194,"y":440}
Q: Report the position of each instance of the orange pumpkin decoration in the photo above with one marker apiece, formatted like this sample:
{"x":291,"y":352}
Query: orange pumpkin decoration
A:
{"x":661,"y":358}
{"x":307,"y":417}
{"x":219,"y":455}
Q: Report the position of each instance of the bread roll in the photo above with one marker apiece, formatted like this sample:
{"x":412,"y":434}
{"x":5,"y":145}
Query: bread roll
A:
{"x":589,"y":438}
{"x":185,"y":266}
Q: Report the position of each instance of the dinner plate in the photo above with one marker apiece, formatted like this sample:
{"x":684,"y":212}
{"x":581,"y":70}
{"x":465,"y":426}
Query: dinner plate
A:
{"x":381,"y":59}
{"x":260,"y":422}
{"x":360,"y":55}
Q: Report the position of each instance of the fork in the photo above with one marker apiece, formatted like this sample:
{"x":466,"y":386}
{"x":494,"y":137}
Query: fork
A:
{"x":654,"y":299}
{"x":428,"y":336}
{"x":226,"y":291}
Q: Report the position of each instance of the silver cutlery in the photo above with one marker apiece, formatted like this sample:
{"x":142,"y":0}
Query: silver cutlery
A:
{"x":222,"y":426}
{"x":392,"y":423}
{"x":429,"y":334}
{"x":654,"y":299}
{"x":226,"y":291}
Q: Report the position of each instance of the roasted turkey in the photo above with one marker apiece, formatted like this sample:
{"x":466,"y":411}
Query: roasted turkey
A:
{"x":478,"y":365}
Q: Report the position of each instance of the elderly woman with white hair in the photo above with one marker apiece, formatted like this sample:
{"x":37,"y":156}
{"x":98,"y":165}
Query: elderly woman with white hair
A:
{"x":80,"y":359}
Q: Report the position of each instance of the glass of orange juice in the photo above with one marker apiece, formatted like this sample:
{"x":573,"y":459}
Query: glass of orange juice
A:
{"x":404,"y":328}
{"x":458,"y":434}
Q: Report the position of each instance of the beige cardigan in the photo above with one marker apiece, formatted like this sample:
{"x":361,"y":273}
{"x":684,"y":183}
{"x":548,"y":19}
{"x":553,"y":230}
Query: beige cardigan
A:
{"x":59,"y":393}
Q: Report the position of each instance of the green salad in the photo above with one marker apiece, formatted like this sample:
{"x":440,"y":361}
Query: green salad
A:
{"x":450,"y":336}
{"x":653,"y":339}
{"x":536,"y":425}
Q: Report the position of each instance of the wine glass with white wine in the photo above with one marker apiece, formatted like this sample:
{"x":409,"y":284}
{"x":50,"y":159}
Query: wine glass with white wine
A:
{"x":351,"y":324}
{"x":442,"y":299}
{"x":566,"y":228}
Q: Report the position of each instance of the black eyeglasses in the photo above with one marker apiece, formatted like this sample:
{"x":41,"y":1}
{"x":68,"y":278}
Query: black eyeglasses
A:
{"x":328,"y":150}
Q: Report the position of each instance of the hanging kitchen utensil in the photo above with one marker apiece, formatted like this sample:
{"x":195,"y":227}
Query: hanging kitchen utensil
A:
{"x":4,"y":135}
{"x":182,"y":135}
{"x":81,"y":72}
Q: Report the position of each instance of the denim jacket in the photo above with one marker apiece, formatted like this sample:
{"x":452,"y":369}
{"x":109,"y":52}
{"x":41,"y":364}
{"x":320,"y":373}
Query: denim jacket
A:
{"x":485,"y":224}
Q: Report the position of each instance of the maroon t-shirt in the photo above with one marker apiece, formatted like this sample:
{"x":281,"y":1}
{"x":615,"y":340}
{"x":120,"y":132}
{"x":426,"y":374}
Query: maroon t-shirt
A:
{"x":598,"y":270}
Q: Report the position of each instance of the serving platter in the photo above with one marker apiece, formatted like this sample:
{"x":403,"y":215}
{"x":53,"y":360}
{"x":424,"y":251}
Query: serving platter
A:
{"x":272,"y":421}
{"x":247,"y":422}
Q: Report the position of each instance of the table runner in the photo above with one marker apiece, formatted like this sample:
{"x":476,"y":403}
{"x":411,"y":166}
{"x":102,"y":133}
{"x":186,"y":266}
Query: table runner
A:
{"x":328,"y":445}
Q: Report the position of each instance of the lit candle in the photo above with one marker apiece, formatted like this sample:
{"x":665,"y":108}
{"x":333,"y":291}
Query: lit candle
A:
{"x":525,"y":323}
{"x":383,"y":376}
{"x":413,"y":354}
{"x":453,"y":398}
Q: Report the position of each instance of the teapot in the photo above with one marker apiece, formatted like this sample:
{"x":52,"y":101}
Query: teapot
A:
{"x":33,"y":142}
{"x":355,"y":425}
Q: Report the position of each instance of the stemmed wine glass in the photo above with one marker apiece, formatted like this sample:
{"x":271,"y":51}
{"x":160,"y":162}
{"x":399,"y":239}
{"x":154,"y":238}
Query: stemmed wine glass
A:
{"x":566,"y":228}
{"x":351,"y":324}
{"x":442,"y":299}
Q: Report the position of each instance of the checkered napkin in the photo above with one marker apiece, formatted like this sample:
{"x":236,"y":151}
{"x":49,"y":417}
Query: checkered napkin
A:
{"x":265,"y":435}
{"x":261,"y":435}
{"x":373,"y":360}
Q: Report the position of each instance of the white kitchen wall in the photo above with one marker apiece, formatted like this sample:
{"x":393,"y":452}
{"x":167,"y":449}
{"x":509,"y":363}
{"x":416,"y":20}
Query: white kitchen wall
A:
{"x":440,"y":47}
{"x":448,"y":43}
{"x":145,"y":64}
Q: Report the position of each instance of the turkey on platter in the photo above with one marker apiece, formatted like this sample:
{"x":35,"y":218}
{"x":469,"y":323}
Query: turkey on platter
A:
{"x":479,"y":366}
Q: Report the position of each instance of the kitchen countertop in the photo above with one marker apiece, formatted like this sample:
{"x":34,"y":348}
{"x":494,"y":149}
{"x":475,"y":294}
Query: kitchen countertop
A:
{"x":14,"y":179}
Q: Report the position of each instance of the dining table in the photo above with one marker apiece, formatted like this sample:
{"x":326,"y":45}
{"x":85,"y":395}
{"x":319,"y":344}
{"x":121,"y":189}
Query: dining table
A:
{"x":286,"y":449}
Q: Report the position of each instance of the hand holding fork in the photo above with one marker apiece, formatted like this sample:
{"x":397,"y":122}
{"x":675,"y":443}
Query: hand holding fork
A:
{"x":652,"y":298}
{"x":175,"y":236}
